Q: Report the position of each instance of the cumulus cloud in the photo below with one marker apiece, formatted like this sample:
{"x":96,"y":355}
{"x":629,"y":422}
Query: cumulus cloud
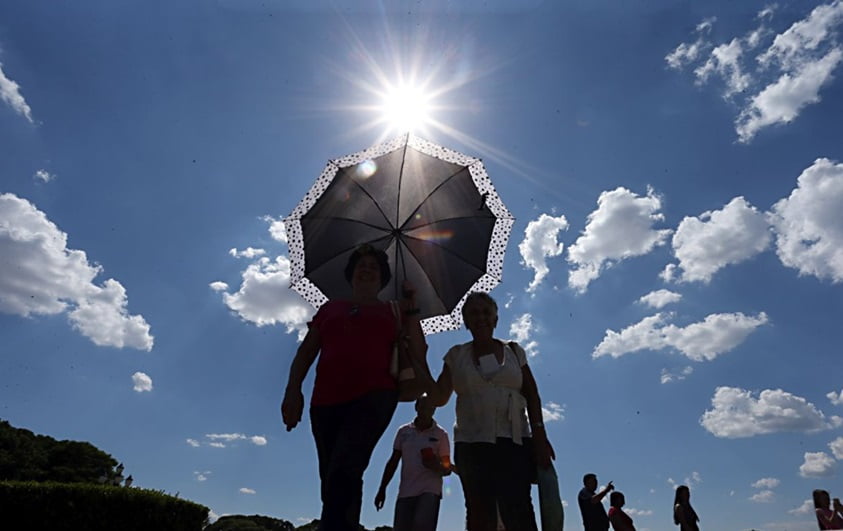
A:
{"x":715,"y":239}
{"x":638,"y":512}
{"x":11,"y":96}
{"x":41,"y":276}
{"x":276,"y":229}
{"x":142,"y":382}
{"x":201,"y":476}
{"x":809,"y":223}
{"x":247,"y":490}
{"x":807,"y":507}
{"x":248,"y":252}
{"x":552,"y":411}
{"x":193,"y":442}
{"x":540,"y":242}
{"x":737,"y":413}
{"x":764,"y":496}
{"x":766,"y":483}
{"x":837,"y":448}
{"x":782,"y":101}
{"x":701,"y":341}
{"x":258,"y":440}
{"x":835,"y":398}
{"x":218,"y":286}
{"x":775,"y":85}
{"x":668,"y":376}
{"x":520,"y":331}
{"x":222,"y":440}
{"x":660,"y":298}
{"x":43,"y":176}
{"x":689,"y":52}
{"x":216,"y":445}
{"x":817,"y":465}
{"x":620,"y":228}
{"x":265,"y":297}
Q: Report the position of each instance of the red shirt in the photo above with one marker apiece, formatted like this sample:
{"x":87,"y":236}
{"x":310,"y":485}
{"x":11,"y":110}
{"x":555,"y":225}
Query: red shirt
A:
{"x":355,"y":353}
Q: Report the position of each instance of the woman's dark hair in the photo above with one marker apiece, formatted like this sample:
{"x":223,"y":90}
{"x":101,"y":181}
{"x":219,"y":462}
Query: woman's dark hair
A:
{"x":368,"y":250}
{"x":817,"y":494}
{"x":616,"y":499}
{"x":479,"y":296}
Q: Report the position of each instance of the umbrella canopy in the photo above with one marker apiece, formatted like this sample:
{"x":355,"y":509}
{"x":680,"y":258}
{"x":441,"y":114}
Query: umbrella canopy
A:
{"x":434,"y":212}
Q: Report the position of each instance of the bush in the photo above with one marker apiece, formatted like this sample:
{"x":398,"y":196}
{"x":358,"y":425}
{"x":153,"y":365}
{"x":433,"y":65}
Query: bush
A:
{"x":73,"y":507}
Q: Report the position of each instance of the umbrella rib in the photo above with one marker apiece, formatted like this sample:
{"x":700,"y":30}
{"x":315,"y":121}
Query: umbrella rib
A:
{"x":440,"y":185}
{"x":359,"y":186}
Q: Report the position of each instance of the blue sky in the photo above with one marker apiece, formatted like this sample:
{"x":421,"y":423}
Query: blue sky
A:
{"x":676,"y":174}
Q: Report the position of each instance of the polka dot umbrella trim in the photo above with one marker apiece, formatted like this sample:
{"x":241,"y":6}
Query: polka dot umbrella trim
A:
{"x":433,"y":210}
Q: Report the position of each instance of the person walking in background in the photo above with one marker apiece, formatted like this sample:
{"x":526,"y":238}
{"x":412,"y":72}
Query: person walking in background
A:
{"x":423,"y":450}
{"x":683,"y":514}
{"x":617,"y":517}
{"x":594,"y":517}
{"x":828,"y":517}
{"x":493,"y":441}
{"x":354,"y":395}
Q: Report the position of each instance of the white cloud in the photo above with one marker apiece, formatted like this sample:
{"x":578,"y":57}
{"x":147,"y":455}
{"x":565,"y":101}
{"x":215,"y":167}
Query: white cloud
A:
{"x":142,"y":382}
{"x":764,"y":496}
{"x":807,"y":507}
{"x":809,"y":223}
{"x":552,"y":411}
{"x":258,"y":440}
{"x":11,"y":95}
{"x":540,"y":242}
{"x":737,"y":413}
{"x":693,"y":479}
{"x":212,"y":516}
{"x":783,"y":100}
{"x":790,"y":47}
{"x":265,"y":297}
{"x":668,"y":376}
{"x":201,"y":476}
{"x":687,"y":53}
{"x":42,"y":276}
{"x":246,"y":490}
{"x":766,"y":483}
{"x":193,"y":442}
{"x":836,"y":398}
{"x":228,"y":437}
{"x":725,"y":60}
{"x":44,"y":176}
{"x":620,"y":228}
{"x":705,"y":340}
{"x":216,"y":445}
{"x":660,"y":299}
{"x":837,"y":447}
{"x":520,"y":331}
{"x":218,"y":286}
{"x":817,"y":465}
{"x":638,"y":512}
{"x":718,"y":238}
{"x":248,"y":252}
{"x":276,"y":229}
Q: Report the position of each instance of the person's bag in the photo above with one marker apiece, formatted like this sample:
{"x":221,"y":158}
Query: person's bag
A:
{"x":550,"y":503}
{"x":410,"y":387}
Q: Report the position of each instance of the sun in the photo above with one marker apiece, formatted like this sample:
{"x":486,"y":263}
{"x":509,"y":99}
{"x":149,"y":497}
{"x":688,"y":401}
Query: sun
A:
{"x":406,"y":108}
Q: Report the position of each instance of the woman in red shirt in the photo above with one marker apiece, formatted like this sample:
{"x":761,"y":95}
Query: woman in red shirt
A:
{"x":354,"y":394}
{"x":619,"y":519}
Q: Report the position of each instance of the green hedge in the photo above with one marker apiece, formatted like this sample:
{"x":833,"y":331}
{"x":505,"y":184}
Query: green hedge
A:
{"x":78,"y":506}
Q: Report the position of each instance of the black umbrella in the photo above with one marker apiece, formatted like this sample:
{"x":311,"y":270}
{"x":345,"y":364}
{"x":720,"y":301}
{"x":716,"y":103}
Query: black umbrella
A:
{"x":433,"y":210}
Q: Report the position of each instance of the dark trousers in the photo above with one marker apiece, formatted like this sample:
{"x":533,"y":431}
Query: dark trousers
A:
{"x":417,"y":513}
{"x":346,"y":435}
{"x":496,"y":477}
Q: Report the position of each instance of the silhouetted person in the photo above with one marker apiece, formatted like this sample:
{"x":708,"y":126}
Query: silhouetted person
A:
{"x":828,"y":517}
{"x":620,"y":520}
{"x":594,"y":517}
{"x":683,"y":514}
{"x":424,"y":451}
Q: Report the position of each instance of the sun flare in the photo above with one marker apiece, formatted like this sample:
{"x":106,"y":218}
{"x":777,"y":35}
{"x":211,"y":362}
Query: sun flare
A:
{"x":406,"y":108}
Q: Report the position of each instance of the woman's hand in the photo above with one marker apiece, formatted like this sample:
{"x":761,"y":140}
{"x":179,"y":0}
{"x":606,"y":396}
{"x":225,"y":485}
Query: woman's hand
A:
{"x":292,"y":408}
{"x":544,"y":450}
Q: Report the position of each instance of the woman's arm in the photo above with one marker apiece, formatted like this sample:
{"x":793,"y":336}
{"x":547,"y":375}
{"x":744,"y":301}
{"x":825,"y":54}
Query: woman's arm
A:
{"x":544,"y":451}
{"x":293,"y":404}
